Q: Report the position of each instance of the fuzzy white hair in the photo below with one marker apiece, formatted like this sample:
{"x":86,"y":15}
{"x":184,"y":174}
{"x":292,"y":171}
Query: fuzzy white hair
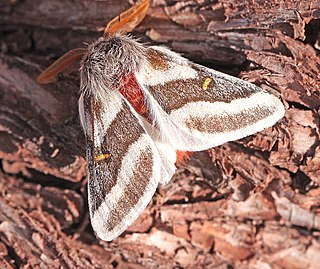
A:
{"x":107,"y":61}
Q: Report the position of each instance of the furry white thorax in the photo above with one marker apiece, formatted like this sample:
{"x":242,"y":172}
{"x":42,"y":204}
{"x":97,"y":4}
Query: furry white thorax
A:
{"x":107,"y":61}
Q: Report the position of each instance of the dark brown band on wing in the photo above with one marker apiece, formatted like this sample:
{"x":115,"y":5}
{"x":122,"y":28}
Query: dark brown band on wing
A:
{"x":175,"y":94}
{"x":134,"y":190}
{"x":157,"y":60}
{"x":226,"y":123}
{"x":122,"y":132}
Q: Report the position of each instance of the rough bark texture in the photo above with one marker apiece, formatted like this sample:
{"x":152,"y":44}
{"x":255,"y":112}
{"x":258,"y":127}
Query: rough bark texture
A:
{"x":253,"y":203}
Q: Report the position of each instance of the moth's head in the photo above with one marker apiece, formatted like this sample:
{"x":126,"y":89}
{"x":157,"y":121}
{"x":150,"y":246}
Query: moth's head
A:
{"x":115,"y":54}
{"x":108,"y":60}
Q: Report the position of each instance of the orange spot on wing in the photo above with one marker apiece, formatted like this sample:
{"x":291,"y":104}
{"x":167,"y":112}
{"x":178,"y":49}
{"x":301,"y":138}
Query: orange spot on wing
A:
{"x":183,"y":156}
{"x":206,"y":83}
{"x":102,"y":157}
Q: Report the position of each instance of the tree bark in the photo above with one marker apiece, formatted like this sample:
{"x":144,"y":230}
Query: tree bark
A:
{"x":252,"y":203}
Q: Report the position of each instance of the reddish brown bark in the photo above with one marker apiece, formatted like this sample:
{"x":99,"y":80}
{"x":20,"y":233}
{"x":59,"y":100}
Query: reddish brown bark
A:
{"x":252,"y":203}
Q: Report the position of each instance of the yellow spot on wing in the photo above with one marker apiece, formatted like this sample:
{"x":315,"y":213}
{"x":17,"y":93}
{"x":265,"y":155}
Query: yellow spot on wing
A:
{"x":206,"y":83}
{"x":102,"y":157}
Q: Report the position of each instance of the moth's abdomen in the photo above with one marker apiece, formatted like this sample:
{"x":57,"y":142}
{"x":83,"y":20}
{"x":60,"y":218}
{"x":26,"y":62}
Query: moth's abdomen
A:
{"x":130,"y":89}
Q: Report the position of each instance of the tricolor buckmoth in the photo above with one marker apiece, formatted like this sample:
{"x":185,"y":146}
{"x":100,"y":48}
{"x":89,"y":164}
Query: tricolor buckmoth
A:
{"x":140,"y":105}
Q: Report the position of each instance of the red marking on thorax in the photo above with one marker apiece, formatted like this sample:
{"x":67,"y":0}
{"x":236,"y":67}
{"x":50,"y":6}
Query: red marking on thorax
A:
{"x":131,"y":90}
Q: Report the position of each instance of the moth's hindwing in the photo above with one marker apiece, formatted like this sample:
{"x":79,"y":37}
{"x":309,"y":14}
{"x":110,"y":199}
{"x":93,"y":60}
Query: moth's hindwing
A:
{"x":124,"y":164}
{"x":197,"y":108}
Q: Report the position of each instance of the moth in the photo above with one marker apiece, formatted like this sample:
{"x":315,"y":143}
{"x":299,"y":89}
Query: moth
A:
{"x":139,"y":105}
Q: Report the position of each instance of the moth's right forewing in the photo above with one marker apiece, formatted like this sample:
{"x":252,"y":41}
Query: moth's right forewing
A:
{"x":197,"y":108}
{"x":121,"y":185}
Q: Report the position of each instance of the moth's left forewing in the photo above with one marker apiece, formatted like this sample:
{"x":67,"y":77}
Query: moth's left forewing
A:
{"x":124,"y":165}
{"x":210,"y":107}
